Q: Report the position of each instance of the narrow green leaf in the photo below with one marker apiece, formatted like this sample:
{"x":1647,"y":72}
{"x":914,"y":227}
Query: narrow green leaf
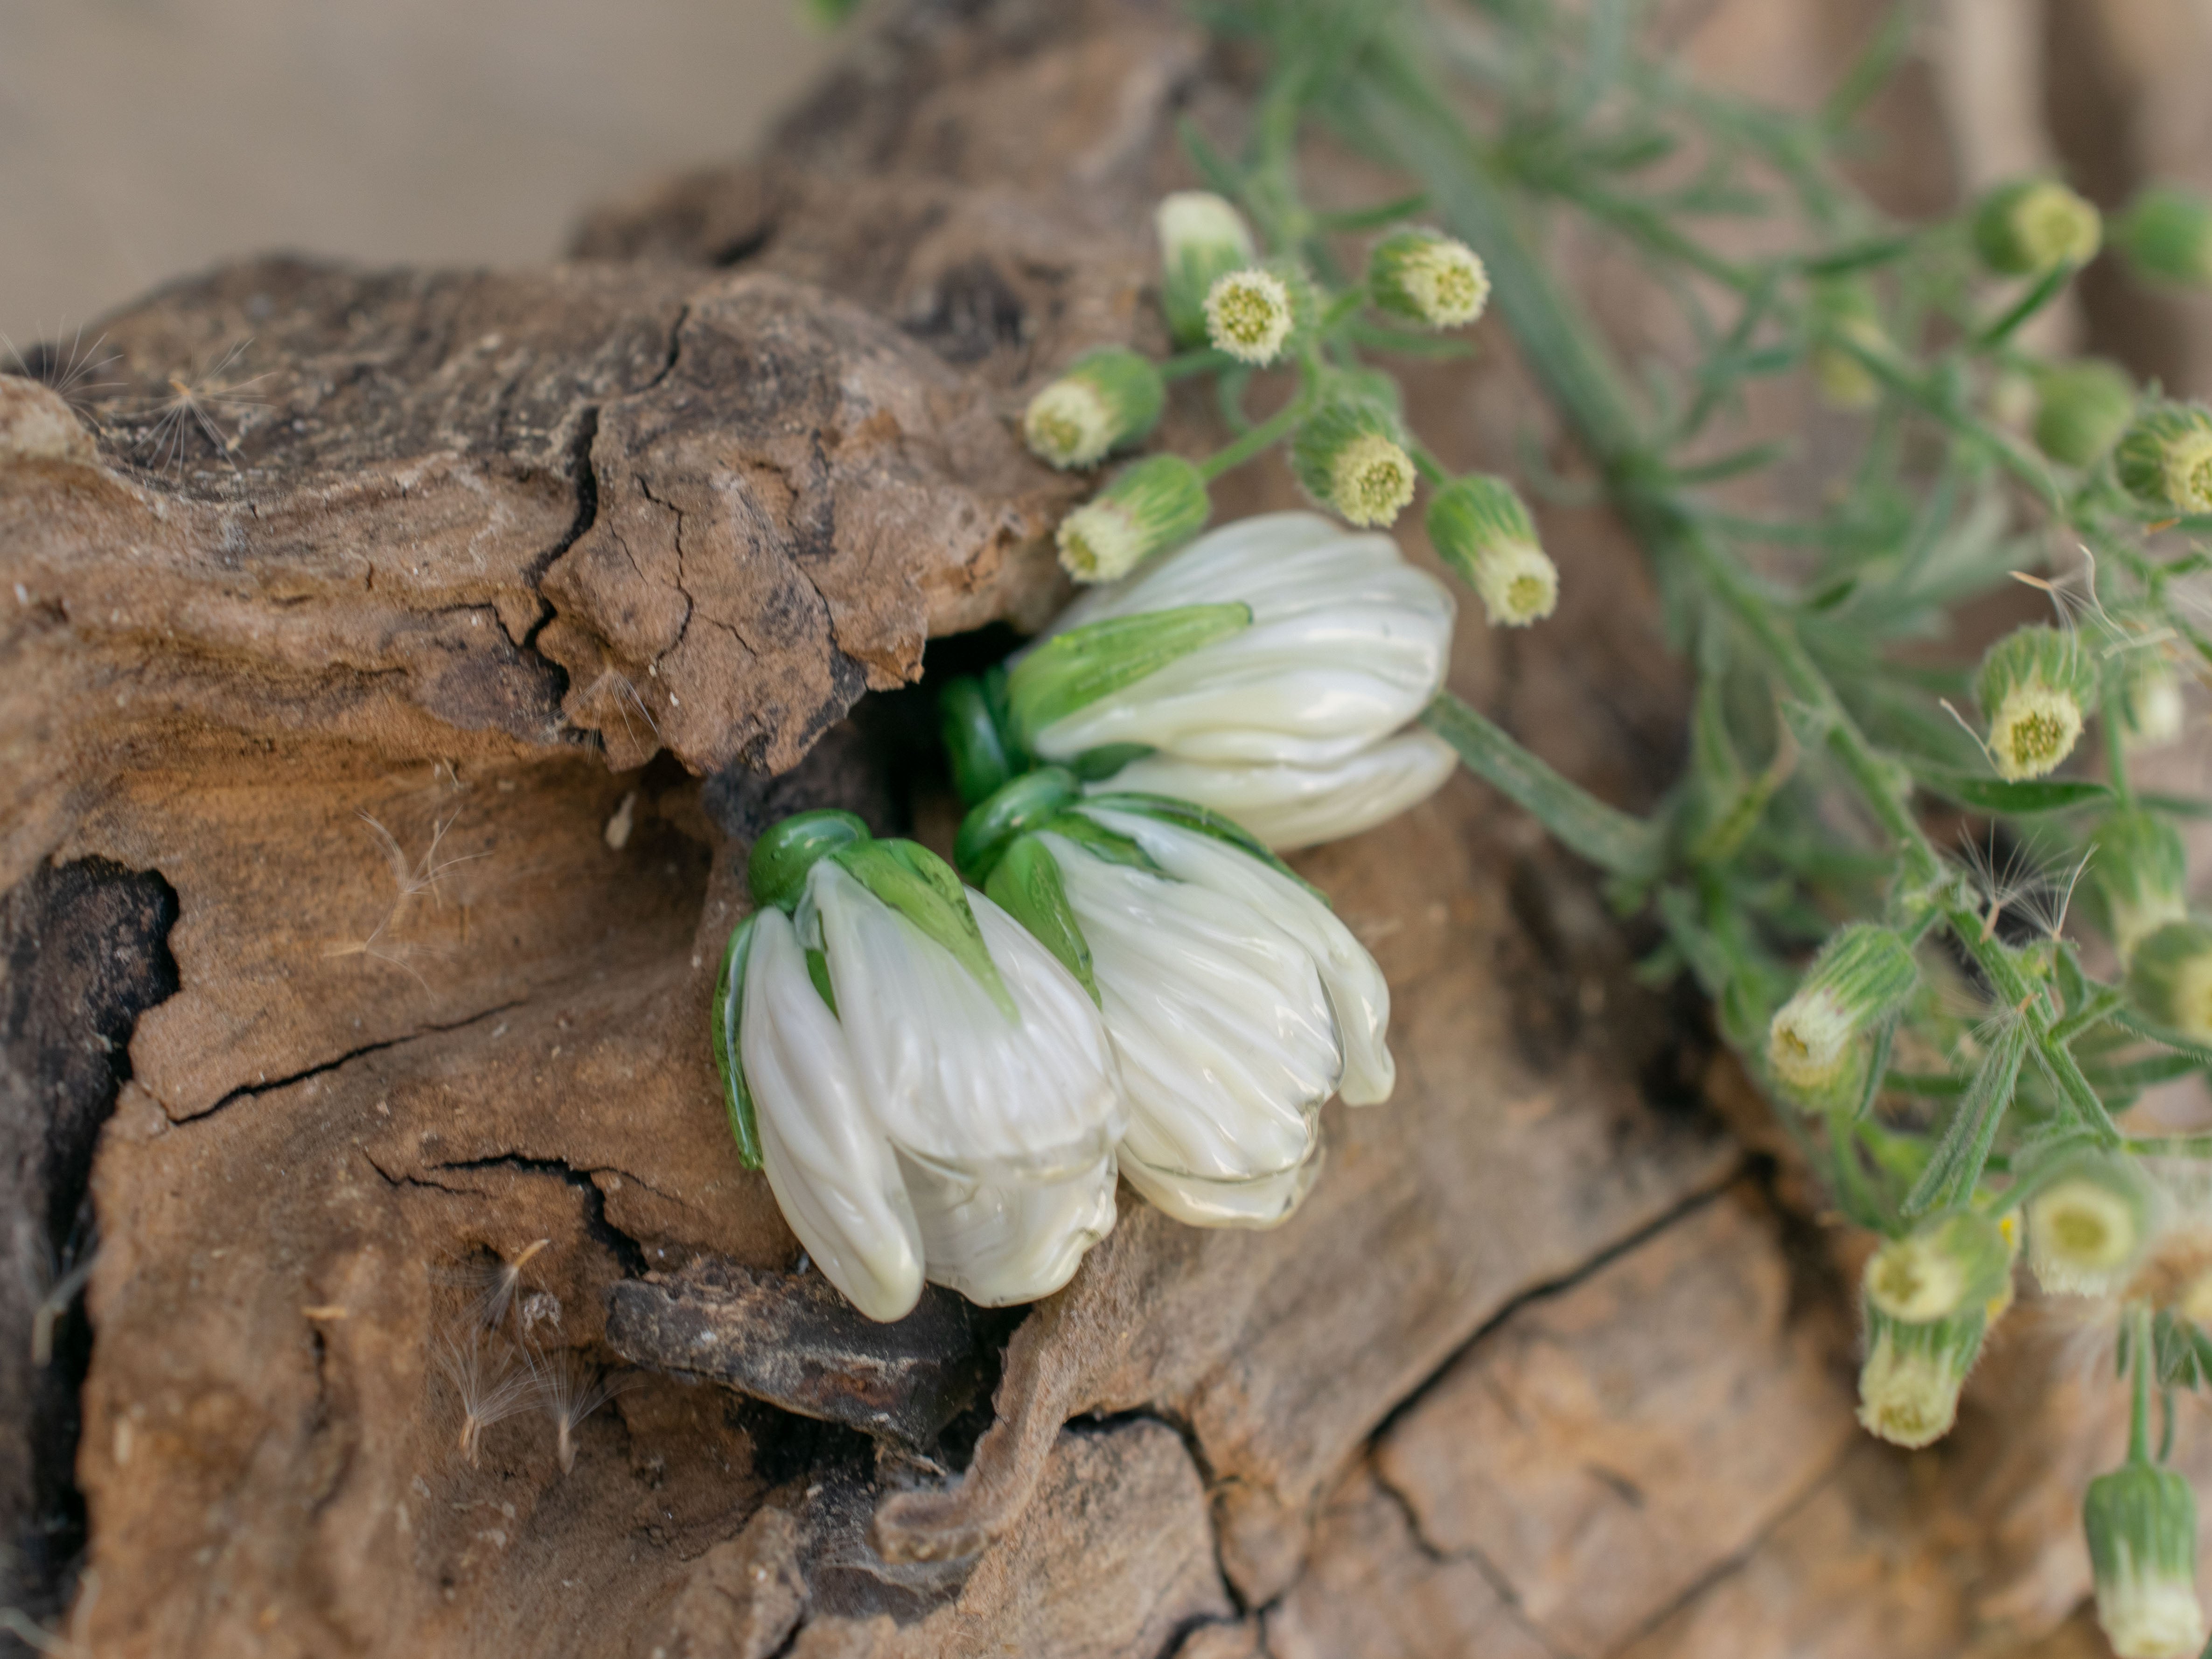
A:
{"x":1095,"y":839}
{"x":1373,"y":218}
{"x":921,"y":887}
{"x":1606,"y":837}
{"x":1072,"y":670}
{"x":1997,"y":795}
{"x":1026,"y":885}
{"x":725,"y":1023}
{"x":1964,"y":1151}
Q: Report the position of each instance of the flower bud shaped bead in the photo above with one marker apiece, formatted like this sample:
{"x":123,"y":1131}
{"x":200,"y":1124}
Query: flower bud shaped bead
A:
{"x":1909,"y":1385}
{"x":1270,"y":670}
{"x":2164,"y":459}
{"x":1427,"y":277}
{"x":1151,"y":505}
{"x":2081,"y":410}
{"x":1862,"y":974}
{"x":1106,"y":400}
{"x":1348,"y":457}
{"x":2141,"y":874}
{"x":933,"y":1095}
{"x":2036,"y":686}
{"x":1959,"y":1261}
{"x":1236,"y":1002}
{"x":1251,"y":313}
{"x":2030,"y":227}
{"x":2142,"y":1525}
{"x":2088,"y":1225}
{"x":1479,"y":527}
{"x":2166,"y":234}
{"x":1202,"y":237}
{"x":2170,"y":979}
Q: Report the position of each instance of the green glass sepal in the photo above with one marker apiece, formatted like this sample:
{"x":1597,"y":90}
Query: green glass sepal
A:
{"x":1095,"y":839}
{"x":1187,"y":815}
{"x":1072,"y":670}
{"x":972,"y":741}
{"x":1096,"y":765}
{"x":1025,"y":882}
{"x":776,"y":872}
{"x":1012,"y":809}
{"x":923,"y":888}
{"x":725,"y":1019}
{"x":818,"y":974}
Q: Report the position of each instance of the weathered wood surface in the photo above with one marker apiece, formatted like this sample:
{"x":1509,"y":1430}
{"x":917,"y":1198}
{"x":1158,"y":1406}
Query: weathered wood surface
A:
{"x":344,"y":729}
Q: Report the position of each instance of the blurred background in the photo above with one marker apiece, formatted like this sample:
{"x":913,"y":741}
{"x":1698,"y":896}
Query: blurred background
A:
{"x":143,"y":139}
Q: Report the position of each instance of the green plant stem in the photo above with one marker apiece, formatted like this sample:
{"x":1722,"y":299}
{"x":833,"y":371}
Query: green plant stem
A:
{"x":2142,"y":1361}
{"x":1203,"y":360}
{"x":1568,"y":358}
{"x":1261,"y":438}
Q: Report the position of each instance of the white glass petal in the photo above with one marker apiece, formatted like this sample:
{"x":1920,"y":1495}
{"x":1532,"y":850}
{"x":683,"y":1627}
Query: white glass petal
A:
{"x":999,"y":1243}
{"x":1355,"y":985}
{"x":950,"y":1078}
{"x":1290,"y":806}
{"x":1265,"y":1202}
{"x":1348,"y":642}
{"x":1227,"y":1040}
{"x":833,"y":1174}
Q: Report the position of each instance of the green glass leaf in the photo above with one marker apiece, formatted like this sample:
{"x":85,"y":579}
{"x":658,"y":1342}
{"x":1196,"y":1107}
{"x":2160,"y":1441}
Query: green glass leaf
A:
{"x":921,"y":887}
{"x":1096,"y":765}
{"x":818,"y":970}
{"x":1099,"y":841}
{"x":1187,"y":815}
{"x":1020,"y":806}
{"x":2014,"y":799}
{"x":725,"y":1019}
{"x":780,"y":858}
{"x":1026,"y":885}
{"x":1073,"y":671}
{"x":972,"y":743}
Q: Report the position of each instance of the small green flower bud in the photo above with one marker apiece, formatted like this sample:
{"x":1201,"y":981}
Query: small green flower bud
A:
{"x":2164,"y":459}
{"x":2141,"y":1524}
{"x":2088,"y":1225}
{"x":2082,"y":409}
{"x":1252,"y":313}
{"x":1201,"y":237}
{"x":1847,"y":310}
{"x":2036,"y":686}
{"x":1107,"y":398}
{"x":1955,"y":1261}
{"x":1348,"y":457}
{"x":1428,"y":278}
{"x":2028,"y":226}
{"x":2141,"y":877}
{"x":1479,"y":527}
{"x":2152,"y":708}
{"x":1151,"y":505}
{"x":1909,"y":1385}
{"x":1862,"y":974}
{"x":2166,"y":234}
{"x":2170,"y":979}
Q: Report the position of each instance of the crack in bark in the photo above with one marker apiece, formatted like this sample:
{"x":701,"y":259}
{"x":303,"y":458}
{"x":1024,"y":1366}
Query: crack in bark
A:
{"x":269,"y":1085}
{"x":1508,"y":1597}
{"x":620,"y":1245}
{"x":1545,"y":1289}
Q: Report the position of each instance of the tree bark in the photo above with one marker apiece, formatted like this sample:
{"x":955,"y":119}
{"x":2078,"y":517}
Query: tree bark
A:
{"x":385,"y":732}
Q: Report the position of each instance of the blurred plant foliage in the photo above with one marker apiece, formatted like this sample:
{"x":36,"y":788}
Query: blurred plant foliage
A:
{"x":1922,"y":1019}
